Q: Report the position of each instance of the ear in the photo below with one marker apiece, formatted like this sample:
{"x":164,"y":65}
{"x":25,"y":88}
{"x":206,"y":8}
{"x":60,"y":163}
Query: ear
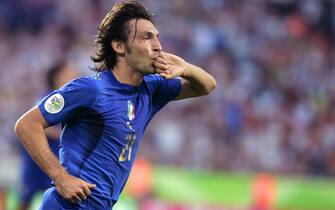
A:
{"x":118,"y":46}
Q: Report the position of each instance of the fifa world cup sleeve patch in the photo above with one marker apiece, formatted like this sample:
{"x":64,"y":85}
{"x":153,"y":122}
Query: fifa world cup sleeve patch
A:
{"x":54,"y":104}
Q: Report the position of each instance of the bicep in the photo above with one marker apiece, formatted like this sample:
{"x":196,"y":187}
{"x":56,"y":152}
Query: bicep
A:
{"x":187,"y":91}
{"x":33,"y":117}
{"x":53,"y":132}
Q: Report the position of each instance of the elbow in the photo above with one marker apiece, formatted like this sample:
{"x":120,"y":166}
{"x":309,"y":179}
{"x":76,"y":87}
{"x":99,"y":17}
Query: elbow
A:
{"x":22,"y":126}
{"x":212,"y":84}
{"x":210,"y":87}
{"x":18,"y":127}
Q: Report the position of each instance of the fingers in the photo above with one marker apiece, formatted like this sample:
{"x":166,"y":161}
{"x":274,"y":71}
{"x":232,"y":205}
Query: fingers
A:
{"x":163,"y":55}
{"x":91,"y":186}
{"x":74,"y":199}
{"x":75,"y":189}
{"x":76,"y":196}
{"x":160,"y":65}
{"x":87,"y":191}
{"x":163,"y":72}
{"x":163,"y":75}
{"x":81,"y":194}
{"x":161,"y":60}
{"x":166,"y":75}
{"x":88,"y":187}
{"x":166,"y":67}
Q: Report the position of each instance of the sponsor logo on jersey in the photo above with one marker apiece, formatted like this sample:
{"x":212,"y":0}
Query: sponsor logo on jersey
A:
{"x":54,"y":103}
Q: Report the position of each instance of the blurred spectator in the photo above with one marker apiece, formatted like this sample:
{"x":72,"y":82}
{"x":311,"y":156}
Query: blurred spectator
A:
{"x":273,"y":60}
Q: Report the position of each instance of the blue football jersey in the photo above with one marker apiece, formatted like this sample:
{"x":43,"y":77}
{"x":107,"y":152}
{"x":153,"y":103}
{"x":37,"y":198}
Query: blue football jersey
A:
{"x":103,"y":122}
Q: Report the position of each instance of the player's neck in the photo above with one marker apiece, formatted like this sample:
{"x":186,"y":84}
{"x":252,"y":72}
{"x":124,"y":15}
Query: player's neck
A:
{"x":126,"y":75}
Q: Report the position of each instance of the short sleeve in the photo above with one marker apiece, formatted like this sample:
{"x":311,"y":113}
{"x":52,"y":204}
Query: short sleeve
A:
{"x":163,"y":90}
{"x":67,"y":102}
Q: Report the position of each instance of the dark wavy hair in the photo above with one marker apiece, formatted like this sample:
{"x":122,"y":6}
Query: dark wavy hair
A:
{"x":52,"y":74}
{"x":115,"y":26}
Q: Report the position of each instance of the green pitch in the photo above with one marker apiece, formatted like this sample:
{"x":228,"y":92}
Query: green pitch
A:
{"x":234,"y":189}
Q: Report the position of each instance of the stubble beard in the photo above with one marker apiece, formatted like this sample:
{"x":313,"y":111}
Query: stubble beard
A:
{"x":147,"y":69}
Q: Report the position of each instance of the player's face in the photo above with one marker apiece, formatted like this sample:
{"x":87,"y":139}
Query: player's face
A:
{"x":143,"y":46}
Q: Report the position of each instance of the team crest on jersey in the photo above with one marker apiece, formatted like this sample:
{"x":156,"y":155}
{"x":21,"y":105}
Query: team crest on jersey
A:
{"x":131,"y":110}
{"x":54,"y":103}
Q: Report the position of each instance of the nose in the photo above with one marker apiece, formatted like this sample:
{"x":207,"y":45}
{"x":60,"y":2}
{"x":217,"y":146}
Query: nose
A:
{"x":156,"y":46}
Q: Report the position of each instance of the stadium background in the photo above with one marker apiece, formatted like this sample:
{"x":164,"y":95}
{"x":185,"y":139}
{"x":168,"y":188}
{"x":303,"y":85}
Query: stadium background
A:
{"x":265,"y":138}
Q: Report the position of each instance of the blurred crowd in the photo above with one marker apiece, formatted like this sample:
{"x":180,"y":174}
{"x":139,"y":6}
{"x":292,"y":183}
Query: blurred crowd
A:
{"x":272,"y":109}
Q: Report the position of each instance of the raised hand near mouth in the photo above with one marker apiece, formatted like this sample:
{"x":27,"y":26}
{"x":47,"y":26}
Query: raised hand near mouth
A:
{"x":169,"y":65}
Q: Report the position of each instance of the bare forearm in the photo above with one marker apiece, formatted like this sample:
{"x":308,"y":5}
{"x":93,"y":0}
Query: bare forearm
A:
{"x":199,"y":79}
{"x":33,"y":138}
